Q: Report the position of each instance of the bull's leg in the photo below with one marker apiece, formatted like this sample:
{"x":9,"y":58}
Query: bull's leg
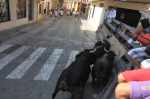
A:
{"x":55,"y":92}
{"x":83,"y":85}
{"x":93,"y":79}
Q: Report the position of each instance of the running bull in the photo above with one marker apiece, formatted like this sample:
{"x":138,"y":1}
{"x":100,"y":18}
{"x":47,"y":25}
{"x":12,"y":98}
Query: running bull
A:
{"x":102,"y":68}
{"x":74,"y":77}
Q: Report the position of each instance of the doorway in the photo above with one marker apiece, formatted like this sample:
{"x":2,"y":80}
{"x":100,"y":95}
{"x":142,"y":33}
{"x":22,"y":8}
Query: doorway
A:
{"x":30,"y":10}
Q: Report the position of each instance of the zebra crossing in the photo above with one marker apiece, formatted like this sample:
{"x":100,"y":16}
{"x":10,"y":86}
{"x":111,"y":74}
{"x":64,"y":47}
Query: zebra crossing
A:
{"x":21,"y":69}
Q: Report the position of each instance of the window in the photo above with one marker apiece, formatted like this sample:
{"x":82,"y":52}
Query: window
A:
{"x":21,"y":9}
{"x":93,"y":11}
{"x":4,"y":11}
{"x":40,"y":10}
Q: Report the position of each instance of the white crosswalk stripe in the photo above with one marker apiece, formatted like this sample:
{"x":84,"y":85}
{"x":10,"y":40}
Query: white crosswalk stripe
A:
{"x":72,"y":57}
{"x":46,"y":70}
{"x":48,"y":67}
{"x":22,"y":68}
{"x":6,"y":60}
{"x":4,"y":47}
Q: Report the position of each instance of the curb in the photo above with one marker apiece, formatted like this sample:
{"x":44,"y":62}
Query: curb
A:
{"x":21,"y":32}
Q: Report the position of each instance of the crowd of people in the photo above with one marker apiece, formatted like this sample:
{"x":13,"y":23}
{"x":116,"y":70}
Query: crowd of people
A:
{"x":135,"y":84}
{"x":60,"y":12}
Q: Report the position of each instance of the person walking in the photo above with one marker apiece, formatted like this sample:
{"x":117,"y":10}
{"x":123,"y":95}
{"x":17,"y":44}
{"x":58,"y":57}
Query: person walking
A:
{"x":45,"y":12}
{"x":76,"y":16}
{"x":55,"y":14}
{"x":68,"y":12}
{"x":61,"y":13}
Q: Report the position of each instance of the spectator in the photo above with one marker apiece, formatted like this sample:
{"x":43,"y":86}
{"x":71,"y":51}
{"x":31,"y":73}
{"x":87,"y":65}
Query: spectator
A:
{"x":134,"y":84}
{"x":112,"y":14}
{"x":139,"y":33}
{"x":108,"y":12}
{"x":138,"y":55}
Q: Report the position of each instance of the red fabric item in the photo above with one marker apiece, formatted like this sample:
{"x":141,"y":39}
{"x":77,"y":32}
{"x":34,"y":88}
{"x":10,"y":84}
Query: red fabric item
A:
{"x":144,"y":38}
{"x":137,"y":75}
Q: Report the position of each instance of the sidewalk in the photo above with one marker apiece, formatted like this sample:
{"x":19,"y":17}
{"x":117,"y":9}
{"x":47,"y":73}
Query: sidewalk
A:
{"x":8,"y":33}
{"x":89,"y":30}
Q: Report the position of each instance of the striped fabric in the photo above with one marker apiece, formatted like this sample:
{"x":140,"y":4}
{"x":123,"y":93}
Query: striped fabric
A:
{"x":139,"y":54}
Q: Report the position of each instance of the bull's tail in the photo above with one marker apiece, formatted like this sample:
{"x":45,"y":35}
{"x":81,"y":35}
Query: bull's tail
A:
{"x":63,"y":85}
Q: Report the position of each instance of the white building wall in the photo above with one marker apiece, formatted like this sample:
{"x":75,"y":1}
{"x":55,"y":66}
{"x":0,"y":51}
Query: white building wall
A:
{"x":99,"y":13}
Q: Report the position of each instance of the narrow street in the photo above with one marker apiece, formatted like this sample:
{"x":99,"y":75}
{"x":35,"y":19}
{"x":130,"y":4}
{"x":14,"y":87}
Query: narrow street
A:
{"x":31,"y":62}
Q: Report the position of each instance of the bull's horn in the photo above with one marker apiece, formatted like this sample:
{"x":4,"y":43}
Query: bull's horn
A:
{"x":82,"y":49}
{"x":102,"y":41}
{"x":113,"y":44}
{"x":108,"y":40}
{"x":105,"y":50}
{"x":118,"y":53}
{"x":93,"y":50}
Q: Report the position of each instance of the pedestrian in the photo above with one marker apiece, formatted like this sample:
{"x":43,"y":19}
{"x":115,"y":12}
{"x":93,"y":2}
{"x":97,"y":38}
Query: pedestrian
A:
{"x":55,"y":14}
{"x":45,"y":12}
{"x":61,"y":13}
{"x":76,"y":16}
{"x":51,"y":13}
{"x":68,"y":12}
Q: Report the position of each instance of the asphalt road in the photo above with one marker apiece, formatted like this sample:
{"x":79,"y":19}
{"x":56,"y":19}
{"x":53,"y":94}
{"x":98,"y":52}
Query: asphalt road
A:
{"x":30,"y":63}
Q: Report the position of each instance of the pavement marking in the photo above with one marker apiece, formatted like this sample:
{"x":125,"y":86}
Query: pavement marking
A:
{"x":6,"y":60}
{"x":48,"y":67}
{"x":71,"y":57}
{"x":4,"y":47}
{"x":22,"y":68}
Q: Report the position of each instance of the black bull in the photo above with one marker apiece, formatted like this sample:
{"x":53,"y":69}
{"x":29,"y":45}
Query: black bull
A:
{"x":74,"y":77}
{"x":102,"y":68}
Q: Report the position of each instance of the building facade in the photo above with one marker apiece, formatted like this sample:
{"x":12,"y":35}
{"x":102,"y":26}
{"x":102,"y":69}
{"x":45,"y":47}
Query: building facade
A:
{"x":96,"y":12}
{"x":14,"y":13}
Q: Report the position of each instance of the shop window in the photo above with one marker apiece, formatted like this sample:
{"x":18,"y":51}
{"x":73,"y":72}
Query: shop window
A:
{"x":4,"y":11}
{"x":21,"y":9}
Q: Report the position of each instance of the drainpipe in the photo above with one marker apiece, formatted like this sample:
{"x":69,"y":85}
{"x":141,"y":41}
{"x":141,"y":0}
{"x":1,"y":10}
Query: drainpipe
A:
{"x":37,"y":1}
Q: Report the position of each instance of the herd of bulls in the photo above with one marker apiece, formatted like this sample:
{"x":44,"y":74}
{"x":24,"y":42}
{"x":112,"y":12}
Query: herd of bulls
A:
{"x":74,"y":77}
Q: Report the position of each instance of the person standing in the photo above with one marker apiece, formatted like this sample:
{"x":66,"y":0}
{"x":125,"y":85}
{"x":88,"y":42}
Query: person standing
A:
{"x":45,"y":12}
{"x":108,"y":12}
{"x":112,"y":14}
